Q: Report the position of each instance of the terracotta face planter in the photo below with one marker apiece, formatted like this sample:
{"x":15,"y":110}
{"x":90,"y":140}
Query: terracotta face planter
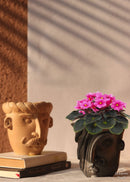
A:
{"x":27,"y":125}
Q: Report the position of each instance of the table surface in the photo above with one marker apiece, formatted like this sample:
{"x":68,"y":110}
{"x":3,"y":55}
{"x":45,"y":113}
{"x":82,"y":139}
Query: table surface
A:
{"x":74,"y":174}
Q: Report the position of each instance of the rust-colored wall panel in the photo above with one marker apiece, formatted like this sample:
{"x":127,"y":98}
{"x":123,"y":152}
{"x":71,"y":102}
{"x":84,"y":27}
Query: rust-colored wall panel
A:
{"x":13,"y":58}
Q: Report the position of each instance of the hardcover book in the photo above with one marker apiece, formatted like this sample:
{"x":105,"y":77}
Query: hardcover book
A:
{"x":12,"y":160}
{"x":34,"y":171}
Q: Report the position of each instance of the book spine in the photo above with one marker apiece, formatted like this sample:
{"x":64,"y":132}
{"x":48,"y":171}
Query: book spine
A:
{"x":47,"y":158}
{"x":41,"y":170}
{"x":9,"y":174}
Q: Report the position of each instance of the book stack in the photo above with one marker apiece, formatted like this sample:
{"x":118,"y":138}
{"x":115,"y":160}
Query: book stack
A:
{"x":19,"y":166}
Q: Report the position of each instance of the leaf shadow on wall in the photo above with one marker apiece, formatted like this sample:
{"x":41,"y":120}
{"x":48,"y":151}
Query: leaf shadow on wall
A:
{"x":13,"y":34}
{"x":60,"y":15}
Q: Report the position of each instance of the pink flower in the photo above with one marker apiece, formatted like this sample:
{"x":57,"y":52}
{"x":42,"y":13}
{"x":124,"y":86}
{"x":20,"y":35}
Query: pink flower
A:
{"x":96,"y":101}
{"x":124,"y":104}
{"x":99,"y":96}
{"x":90,"y":96}
{"x":79,"y":104}
{"x":100,"y":103}
{"x":109,"y":99}
{"x":93,"y":107}
{"x":83,"y":104}
{"x":109,"y":95}
{"x":86,"y":104}
{"x":83,"y":112}
{"x":118,"y":105}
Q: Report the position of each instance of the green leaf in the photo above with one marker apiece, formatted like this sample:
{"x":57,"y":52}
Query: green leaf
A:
{"x":93,"y":129}
{"x":126,"y":115}
{"x":121,"y":119}
{"x":74,"y":115}
{"x":117,"y":129}
{"x":92,"y":118}
{"x":79,"y":125}
{"x":125,"y":125}
{"x":111,"y":113}
{"x":106,"y":124}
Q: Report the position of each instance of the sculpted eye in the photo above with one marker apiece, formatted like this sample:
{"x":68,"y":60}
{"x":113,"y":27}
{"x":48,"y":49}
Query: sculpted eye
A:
{"x":44,"y":120}
{"x":28,"y":120}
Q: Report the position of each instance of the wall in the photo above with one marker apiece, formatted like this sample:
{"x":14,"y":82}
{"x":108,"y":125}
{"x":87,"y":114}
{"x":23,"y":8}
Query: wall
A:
{"x":76,"y":47}
{"x":13,"y":58}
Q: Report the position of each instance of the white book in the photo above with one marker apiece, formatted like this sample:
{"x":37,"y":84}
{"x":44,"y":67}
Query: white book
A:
{"x":12,"y":160}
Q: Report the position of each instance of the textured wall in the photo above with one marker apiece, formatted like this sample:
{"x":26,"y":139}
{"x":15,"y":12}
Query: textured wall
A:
{"x":13,"y":57}
{"x":76,"y":47}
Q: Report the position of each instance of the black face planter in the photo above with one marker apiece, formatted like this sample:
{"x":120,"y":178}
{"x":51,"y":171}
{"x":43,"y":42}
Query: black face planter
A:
{"x":99,"y":123}
{"x":99,"y":154}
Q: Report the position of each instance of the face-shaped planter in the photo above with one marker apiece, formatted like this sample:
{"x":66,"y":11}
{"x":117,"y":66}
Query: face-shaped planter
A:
{"x":99,"y":154}
{"x":27,"y":124}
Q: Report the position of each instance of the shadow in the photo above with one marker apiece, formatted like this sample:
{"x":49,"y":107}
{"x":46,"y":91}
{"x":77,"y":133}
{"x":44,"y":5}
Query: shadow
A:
{"x":106,"y":11}
{"x":60,"y":45}
{"x":14,"y":46}
{"x":13,"y":58}
{"x":13,"y":38}
{"x":32,"y":64}
{"x":21,"y":4}
{"x":13,"y":14}
{"x":49,"y":56}
{"x":82,"y":25}
{"x":75,"y":34}
{"x":13,"y":30}
{"x":75,"y":165}
{"x":124,"y":165}
{"x":117,"y":5}
{"x":6,"y":61}
{"x":123,"y":170}
{"x":92,"y":17}
{"x":123,"y":173}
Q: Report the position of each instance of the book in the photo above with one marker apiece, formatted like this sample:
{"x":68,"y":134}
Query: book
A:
{"x":12,"y":160}
{"x":34,"y":171}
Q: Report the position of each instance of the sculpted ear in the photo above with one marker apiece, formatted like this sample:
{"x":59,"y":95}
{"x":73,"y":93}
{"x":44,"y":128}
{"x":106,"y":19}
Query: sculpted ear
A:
{"x":51,"y":122}
{"x":8,"y":123}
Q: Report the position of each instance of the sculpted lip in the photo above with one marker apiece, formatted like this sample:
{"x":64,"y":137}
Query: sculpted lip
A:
{"x":33,"y":142}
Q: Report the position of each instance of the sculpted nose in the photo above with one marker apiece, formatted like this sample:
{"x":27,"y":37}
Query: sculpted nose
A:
{"x":37,"y":132}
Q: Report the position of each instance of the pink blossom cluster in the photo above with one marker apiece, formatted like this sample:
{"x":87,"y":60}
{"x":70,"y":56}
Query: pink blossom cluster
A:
{"x":98,"y":101}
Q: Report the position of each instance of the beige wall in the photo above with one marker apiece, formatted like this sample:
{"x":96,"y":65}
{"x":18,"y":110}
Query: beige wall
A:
{"x":76,"y":47}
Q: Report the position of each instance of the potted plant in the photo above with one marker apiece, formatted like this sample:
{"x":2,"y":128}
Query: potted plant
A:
{"x":99,"y":122}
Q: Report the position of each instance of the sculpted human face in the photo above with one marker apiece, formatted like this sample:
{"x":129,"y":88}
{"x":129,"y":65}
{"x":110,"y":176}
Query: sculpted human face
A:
{"x":27,"y":132}
{"x":106,"y":154}
{"x":99,"y":154}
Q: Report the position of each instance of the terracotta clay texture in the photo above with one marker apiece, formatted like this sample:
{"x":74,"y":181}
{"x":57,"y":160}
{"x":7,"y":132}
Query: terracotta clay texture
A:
{"x":13,"y":58}
{"x":27,"y":124}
